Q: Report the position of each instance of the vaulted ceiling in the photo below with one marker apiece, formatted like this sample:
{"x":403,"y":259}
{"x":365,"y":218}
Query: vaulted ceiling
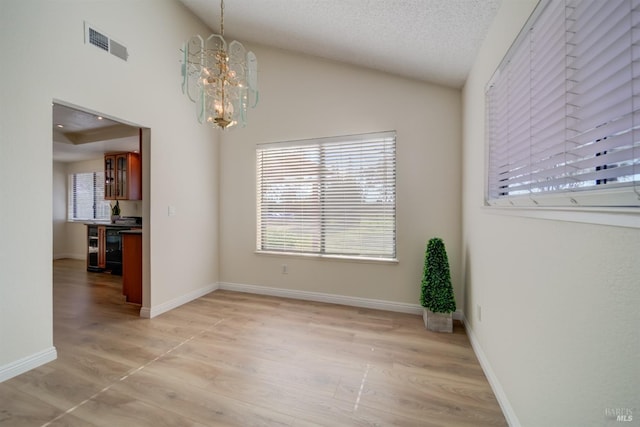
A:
{"x":429,"y":40}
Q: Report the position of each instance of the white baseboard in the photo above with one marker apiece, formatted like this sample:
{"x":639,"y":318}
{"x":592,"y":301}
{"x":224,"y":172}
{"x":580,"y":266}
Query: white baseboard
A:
{"x":151,"y":312}
{"x":27,"y":363}
{"x":377,"y":304}
{"x":501,"y":396}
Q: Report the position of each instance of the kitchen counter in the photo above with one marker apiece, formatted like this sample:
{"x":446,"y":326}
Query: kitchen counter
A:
{"x":110,"y":224}
{"x":132,"y":231}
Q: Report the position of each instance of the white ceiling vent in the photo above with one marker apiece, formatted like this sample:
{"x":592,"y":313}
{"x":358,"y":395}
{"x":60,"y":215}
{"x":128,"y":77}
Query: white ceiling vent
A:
{"x":102,"y":41}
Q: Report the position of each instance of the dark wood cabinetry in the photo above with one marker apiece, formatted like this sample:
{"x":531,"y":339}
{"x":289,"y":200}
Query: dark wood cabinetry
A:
{"x":104,"y":248}
{"x":122,"y":176}
{"x":117,"y":249}
{"x":102,"y":254}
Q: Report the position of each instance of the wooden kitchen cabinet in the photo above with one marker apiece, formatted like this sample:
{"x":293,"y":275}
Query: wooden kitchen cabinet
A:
{"x":96,"y":250}
{"x":109,"y":177}
{"x":122,"y":176}
{"x":132,"y":266}
{"x":102,"y":257}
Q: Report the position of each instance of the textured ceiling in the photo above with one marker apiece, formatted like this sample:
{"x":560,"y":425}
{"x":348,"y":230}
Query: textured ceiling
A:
{"x":430,"y":40}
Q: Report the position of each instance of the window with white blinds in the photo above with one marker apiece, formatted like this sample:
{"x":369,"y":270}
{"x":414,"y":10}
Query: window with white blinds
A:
{"x":563,"y":108}
{"x":328,"y":196}
{"x":86,"y":197}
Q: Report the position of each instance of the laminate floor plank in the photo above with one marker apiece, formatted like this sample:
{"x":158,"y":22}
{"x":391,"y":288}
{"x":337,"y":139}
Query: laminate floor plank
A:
{"x":113,"y":408}
{"x":62,"y":388}
{"x":68,"y":420}
{"x":323,"y":380}
{"x":201,"y":404}
{"x":18,"y":409}
{"x":235,"y":359}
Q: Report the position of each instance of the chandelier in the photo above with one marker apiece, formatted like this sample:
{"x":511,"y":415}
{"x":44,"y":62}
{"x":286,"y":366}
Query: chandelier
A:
{"x":219,"y":78}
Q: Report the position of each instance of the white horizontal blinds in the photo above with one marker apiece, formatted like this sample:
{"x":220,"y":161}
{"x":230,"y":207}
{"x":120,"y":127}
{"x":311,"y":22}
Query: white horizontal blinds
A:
{"x":635,"y":58}
{"x":548,"y":100}
{"x":584,"y":110}
{"x":102,"y":206}
{"x":332,"y":196}
{"x":600,"y":94}
{"x":86,"y":197}
{"x":497,"y":105}
{"x":509,"y":115}
{"x":519,"y":127}
{"x":289,"y":210}
{"x":81,"y":196}
{"x":358,"y":197}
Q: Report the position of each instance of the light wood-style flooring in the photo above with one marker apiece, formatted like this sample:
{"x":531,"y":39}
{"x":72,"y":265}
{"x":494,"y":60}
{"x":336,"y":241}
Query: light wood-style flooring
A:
{"x":234,"y":359}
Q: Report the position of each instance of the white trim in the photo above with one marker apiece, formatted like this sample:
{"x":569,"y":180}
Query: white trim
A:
{"x":617,"y":217}
{"x":25,"y":364}
{"x":400,"y":307}
{"x":347,"y":258}
{"x":498,"y":391}
{"x":151,"y":312}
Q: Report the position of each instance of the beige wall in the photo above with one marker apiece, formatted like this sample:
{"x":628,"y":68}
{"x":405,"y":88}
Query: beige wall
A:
{"x":559,"y":299}
{"x":304,"y":97}
{"x":44,"y":42}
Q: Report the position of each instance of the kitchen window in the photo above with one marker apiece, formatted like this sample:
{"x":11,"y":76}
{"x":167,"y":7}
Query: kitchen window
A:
{"x":332,"y":197}
{"x":563,"y":109}
{"x":86,"y":197}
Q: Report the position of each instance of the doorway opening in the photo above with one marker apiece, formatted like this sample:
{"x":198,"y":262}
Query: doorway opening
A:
{"x":85,"y":194}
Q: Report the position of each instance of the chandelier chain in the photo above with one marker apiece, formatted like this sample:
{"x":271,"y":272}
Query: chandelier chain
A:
{"x":222,"y":18}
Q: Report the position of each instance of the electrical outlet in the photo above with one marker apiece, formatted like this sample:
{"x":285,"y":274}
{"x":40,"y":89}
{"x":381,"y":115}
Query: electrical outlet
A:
{"x":479,"y":311}
{"x":285,"y":269}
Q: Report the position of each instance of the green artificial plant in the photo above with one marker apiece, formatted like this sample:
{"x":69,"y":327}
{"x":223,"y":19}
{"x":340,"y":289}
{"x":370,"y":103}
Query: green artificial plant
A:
{"x":437,"y":292}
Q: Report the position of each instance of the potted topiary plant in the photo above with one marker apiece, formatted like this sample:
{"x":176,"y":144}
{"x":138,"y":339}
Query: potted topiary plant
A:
{"x":437,"y":293}
{"x":115,"y":212}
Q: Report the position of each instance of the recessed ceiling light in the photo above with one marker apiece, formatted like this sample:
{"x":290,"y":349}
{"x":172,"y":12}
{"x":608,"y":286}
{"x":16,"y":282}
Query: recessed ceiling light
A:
{"x":60,"y":126}
{"x":99,"y":117}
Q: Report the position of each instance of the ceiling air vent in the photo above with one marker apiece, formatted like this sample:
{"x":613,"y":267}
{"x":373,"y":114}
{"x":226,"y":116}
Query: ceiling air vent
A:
{"x":102,"y":41}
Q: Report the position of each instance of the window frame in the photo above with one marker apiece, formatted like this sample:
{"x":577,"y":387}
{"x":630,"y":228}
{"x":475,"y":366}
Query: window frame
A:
{"x":323,"y":204}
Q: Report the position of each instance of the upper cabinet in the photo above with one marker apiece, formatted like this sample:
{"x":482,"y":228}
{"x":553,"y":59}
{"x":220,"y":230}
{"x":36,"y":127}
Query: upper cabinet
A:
{"x":122,"y":176}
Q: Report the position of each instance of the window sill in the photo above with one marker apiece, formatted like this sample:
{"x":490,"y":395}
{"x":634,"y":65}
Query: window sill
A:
{"x":617,"y":217}
{"x":331,"y":257}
